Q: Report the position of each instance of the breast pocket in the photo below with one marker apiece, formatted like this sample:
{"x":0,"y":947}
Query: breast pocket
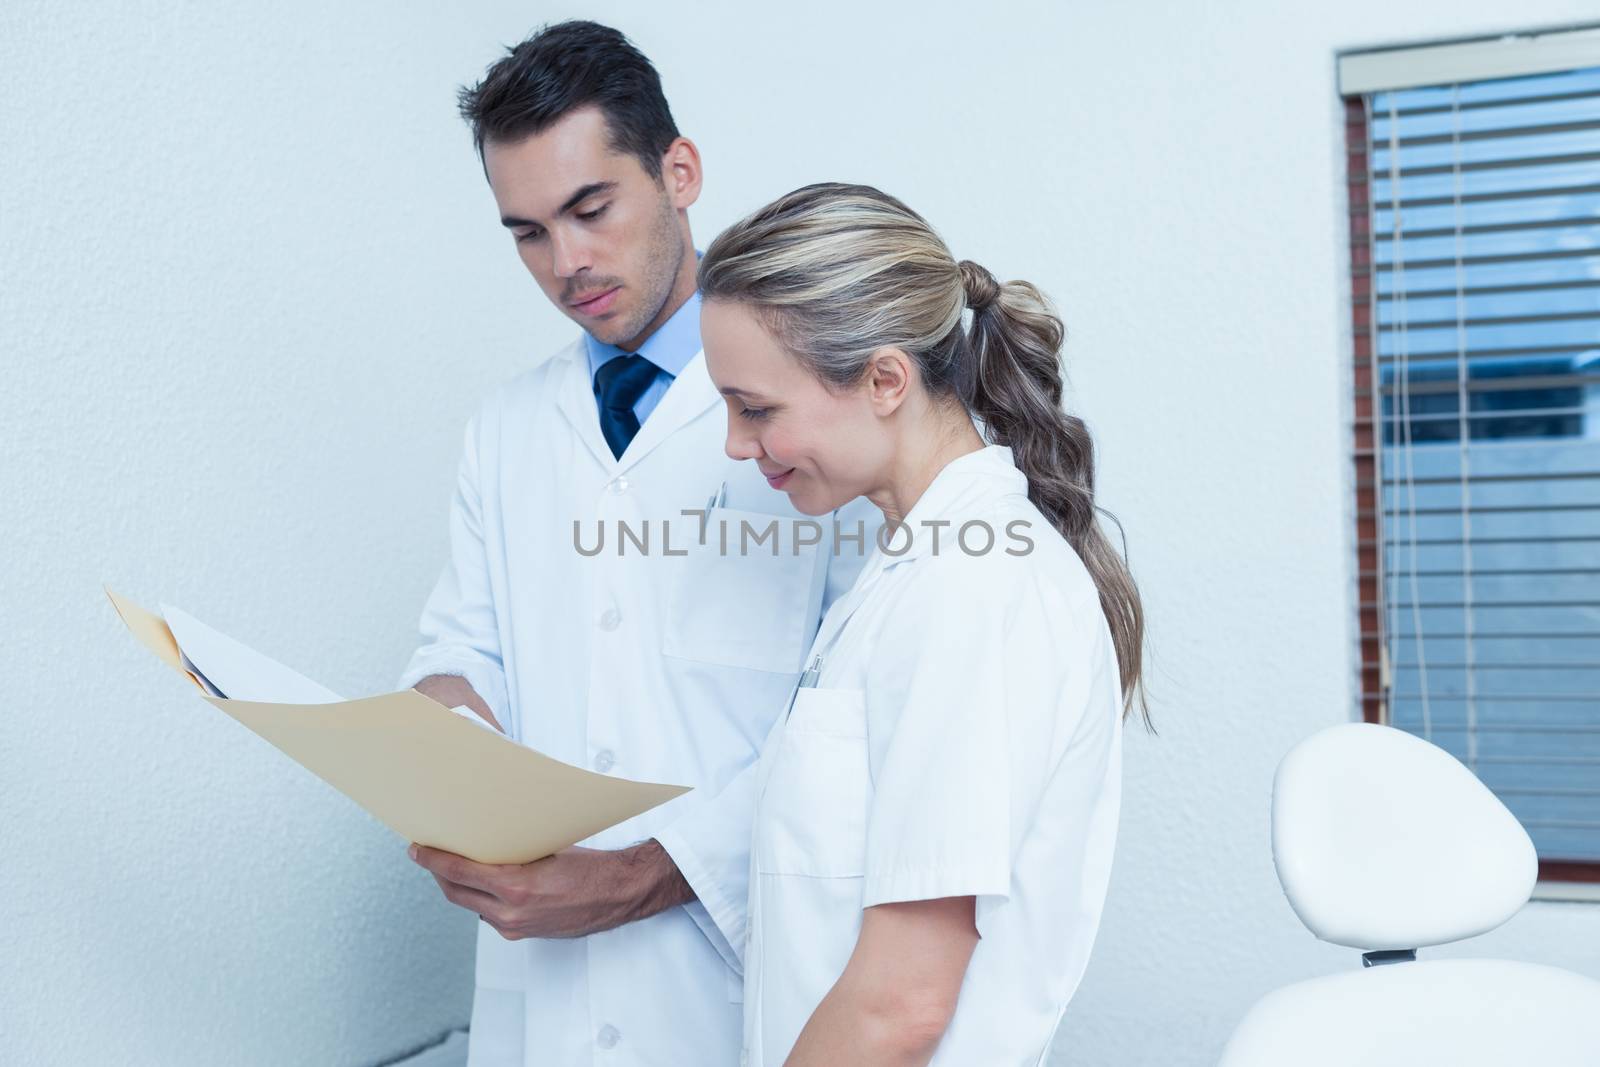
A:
{"x":813,"y":814}
{"x":748,"y":596}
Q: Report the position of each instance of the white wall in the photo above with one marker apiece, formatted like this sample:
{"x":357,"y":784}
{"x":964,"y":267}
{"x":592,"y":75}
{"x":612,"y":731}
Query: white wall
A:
{"x":253,"y":284}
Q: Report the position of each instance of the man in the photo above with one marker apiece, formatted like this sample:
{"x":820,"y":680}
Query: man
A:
{"x":665,"y":665}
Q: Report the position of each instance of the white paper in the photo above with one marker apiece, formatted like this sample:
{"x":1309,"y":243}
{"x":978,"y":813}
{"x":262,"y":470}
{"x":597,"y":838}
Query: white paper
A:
{"x":238,"y":671}
{"x":473,"y":717}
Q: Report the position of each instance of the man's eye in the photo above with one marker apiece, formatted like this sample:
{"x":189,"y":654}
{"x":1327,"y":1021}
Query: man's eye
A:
{"x":754,"y":414}
{"x":531,"y":235}
{"x":590,"y":216}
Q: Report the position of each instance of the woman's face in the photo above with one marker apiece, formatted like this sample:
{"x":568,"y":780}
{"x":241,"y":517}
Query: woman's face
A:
{"x":822,"y":447}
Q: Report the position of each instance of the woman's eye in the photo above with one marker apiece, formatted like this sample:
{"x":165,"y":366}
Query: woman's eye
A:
{"x":754,"y":414}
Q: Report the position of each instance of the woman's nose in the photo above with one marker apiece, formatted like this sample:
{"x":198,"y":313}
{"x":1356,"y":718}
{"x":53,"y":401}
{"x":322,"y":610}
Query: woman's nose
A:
{"x":741,"y":445}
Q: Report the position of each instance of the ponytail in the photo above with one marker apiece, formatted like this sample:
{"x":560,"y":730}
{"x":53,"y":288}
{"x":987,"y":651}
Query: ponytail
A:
{"x":1013,"y":385}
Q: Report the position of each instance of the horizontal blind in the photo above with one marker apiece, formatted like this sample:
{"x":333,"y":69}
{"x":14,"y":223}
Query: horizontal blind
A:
{"x":1476,"y":235}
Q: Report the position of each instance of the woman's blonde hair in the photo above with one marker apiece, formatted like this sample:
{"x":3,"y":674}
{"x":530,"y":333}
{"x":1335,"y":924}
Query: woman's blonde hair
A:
{"x":837,"y":272}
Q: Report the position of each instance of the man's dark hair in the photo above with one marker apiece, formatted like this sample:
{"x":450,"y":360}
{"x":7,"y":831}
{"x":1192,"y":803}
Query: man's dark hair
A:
{"x":567,"y":66}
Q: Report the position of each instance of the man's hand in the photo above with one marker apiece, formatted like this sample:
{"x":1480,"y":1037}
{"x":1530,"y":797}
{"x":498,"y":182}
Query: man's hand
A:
{"x":455,"y":692}
{"x":577,"y":891}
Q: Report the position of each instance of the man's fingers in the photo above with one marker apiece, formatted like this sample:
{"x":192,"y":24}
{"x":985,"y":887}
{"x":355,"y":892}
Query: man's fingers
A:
{"x":486,"y":906}
{"x":457,"y":869}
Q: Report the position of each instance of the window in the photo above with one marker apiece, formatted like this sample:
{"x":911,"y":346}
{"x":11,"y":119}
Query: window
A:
{"x":1474,"y":181}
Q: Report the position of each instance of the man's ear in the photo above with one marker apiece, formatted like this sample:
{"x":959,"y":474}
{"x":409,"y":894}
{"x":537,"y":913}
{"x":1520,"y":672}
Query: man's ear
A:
{"x":890,"y":373}
{"x":680,"y":172}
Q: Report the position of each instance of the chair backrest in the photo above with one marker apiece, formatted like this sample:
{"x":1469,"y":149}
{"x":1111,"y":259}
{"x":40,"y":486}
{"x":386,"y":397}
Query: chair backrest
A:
{"x":1384,"y":842}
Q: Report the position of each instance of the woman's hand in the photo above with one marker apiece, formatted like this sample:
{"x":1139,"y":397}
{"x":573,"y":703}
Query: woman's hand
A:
{"x":898,"y":993}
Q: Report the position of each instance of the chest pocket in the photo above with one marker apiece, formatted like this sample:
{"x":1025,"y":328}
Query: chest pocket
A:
{"x":737,"y":603}
{"x":812,"y":818}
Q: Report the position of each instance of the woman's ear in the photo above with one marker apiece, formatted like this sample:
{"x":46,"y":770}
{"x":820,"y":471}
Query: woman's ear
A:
{"x":889,"y":377}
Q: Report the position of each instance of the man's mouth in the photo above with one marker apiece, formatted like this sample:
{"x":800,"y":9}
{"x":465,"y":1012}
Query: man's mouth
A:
{"x":596,"y":303}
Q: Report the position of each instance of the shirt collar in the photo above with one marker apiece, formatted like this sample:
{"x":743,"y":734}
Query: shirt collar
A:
{"x":671,"y":347}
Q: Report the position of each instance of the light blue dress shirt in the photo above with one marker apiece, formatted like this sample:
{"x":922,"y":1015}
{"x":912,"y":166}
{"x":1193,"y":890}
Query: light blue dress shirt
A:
{"x":670,"y":348}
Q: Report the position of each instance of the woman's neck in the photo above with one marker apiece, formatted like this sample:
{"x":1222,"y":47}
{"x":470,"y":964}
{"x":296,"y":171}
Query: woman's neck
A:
{"x":927,"y":447}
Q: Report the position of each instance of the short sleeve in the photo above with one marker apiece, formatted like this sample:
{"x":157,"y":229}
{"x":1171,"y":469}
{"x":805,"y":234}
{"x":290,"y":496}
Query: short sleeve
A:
{"x":940,"y":818}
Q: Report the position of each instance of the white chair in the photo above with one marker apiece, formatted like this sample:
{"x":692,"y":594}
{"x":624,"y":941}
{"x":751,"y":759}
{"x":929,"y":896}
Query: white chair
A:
{"x":1387,"y":844}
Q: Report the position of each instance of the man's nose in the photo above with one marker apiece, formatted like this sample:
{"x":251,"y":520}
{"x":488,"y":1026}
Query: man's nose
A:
{"x":570,"y":255}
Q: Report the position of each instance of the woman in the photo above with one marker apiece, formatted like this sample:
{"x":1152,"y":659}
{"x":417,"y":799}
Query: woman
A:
{"x":937,"y":810}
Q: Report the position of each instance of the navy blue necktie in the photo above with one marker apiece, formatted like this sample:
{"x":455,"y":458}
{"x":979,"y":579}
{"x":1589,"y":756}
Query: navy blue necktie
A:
{"x":618,"y":385}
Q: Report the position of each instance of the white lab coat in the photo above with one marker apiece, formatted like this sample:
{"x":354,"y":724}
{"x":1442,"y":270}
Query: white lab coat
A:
{"x":665,"y":668}
{"x":963,"y":739}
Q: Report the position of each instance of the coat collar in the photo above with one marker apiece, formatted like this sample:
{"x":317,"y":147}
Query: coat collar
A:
{"x":960,"y":492}
{"x":690,"y":396}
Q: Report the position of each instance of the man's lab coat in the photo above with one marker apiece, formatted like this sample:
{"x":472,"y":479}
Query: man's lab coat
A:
{"x":666,"y":663}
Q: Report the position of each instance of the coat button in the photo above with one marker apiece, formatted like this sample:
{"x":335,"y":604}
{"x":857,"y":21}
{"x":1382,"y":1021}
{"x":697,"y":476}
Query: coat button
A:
{"x":608,"y":1036}
{"x":610,"y":619}
{"x":619,"y":485}
{"x":604,"y":760}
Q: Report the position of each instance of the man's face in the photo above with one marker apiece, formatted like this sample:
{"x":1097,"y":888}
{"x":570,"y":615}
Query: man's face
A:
{"x":602,"y":238}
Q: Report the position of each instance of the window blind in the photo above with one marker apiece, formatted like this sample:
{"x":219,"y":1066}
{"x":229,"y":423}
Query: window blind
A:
{"x":1475,"y":232}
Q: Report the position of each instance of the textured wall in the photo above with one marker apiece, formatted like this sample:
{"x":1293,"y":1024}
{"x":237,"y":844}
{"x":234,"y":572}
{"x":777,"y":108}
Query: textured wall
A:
{"x":249,"y":290}
{"x":252,"y":285}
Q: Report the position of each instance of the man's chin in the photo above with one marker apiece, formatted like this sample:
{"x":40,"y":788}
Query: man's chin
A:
{"x":608,"y":332}
{"x":604,"y":330}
